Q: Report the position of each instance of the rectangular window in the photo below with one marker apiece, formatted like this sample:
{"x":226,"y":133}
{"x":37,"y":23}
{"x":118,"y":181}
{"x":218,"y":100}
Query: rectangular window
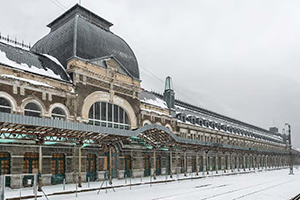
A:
{"x":116,"y":113}
{"x":126,"y":119}
{"x":103,"y":111}
{"x":91,"y":112}
{"x":58,"y":163}
{"x":97,"y":110}
{"x":110,"y":112}
{"x":121,"y":115}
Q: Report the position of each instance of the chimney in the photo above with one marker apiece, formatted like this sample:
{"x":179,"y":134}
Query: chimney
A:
{"x":169,"y":94}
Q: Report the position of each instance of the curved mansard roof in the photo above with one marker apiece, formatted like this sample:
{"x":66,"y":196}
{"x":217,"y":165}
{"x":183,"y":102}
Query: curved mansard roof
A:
{"x":197,"y":112}
{"x":81,"y":33}
{"x":32,"y":62}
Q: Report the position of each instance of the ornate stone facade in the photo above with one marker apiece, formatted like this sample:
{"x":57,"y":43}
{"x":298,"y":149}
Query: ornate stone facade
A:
{"x":198,"y":140}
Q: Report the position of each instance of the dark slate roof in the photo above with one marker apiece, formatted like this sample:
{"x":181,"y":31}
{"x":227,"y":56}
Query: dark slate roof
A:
{"x":81,"y":33}
{"x":34,"y":62}
{"x":72,"y":12}
{"x":151,"y":98}
{"x":189,"y":109}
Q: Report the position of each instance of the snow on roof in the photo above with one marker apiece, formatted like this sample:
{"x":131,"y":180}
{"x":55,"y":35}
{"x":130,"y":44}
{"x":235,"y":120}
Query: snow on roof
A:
{"x":149,"y":98}
{"x":23,"y":66}
{"x":58,"y":63}
{"x":154,"y":111}
{"x":26,"y":80}
{"x":180,"y":107}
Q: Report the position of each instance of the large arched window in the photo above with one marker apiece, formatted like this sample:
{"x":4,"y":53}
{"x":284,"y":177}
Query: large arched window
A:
{"x":108,"y":115}
{"x":5,"y":105}
{"x":58,"y":113}
{"x":32,"y":109}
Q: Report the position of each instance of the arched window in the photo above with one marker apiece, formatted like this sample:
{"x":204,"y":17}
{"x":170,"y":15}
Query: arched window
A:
{"x":5,"y":105}
{"x":108,"y":115}
{"x":32,"y":109}
{"x":58,"y":113}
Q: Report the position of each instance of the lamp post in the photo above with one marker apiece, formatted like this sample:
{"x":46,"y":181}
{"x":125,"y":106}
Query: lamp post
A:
{"x":290,"y":148}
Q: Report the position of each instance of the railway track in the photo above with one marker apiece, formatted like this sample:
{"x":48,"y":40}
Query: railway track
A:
{"x":236,"y":190}
{"x":264,"y":189}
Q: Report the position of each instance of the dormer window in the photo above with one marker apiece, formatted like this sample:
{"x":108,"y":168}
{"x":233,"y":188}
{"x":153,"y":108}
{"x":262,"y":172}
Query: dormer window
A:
{"x":213,"y":125}
{"x":183,"y":118}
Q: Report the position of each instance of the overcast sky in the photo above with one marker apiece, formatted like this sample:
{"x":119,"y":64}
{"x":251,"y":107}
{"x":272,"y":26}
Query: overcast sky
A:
{"x":239,"y":58}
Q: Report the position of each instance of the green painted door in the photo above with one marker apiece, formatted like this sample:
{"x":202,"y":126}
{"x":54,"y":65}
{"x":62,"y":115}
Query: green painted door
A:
{"x":128,"y":166}
{"x":208,"y":164}
{"x":193,"y":163}
{"x":114,"y":158}
{"x":30,"y":163}
{"x":158,"y":165}
{"x":58,"y":168}
{"x":182,"y":165}
{"x":5,"y":166}
{"x":241,"y":162}
{"x":91,"y":167}
{"x":214,"y":163}
{"x":147,"y":166}
{"x":226,"y":162}
{"x":168,"y":161}
{"x":235,"y":162}
{"x":201,"y":164}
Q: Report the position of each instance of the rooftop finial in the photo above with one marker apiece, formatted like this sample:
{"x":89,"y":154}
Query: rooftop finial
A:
{"x":168,"y":83}
{"x":169,"y":94}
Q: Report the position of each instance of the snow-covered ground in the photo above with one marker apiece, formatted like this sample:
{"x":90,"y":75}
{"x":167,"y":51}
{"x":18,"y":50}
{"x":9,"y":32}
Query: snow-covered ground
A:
{"x":263,"y":185}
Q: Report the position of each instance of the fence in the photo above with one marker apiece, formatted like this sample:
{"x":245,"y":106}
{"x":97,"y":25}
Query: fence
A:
{"x":21,"y":181}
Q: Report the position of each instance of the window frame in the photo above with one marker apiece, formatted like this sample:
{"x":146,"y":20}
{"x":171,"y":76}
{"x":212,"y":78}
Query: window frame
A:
{"x":108,"y":119}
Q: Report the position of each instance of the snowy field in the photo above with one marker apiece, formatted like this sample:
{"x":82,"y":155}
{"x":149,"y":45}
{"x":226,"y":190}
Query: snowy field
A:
{"x":262,"y":185}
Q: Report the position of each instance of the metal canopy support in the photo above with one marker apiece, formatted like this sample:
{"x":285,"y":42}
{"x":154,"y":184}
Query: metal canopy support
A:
{"x":154,"y":164}
{"x":184,"y":164}
{"x":204,"y":163}
{"x":171,"y":163}
{"x":40,"y":169}
{"x":244,"y":162}
{"x":79,"y":167}
{"x":197,"y":164}
{"x":231,"y":162}
{"x":216,"y":162}
{"x":110,"y":165}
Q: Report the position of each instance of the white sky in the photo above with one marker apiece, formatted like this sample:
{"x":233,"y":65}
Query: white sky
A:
{"x":239,"y":58}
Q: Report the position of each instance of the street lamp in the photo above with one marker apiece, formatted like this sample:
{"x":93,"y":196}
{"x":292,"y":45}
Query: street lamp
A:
{"x":290,"y":148}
